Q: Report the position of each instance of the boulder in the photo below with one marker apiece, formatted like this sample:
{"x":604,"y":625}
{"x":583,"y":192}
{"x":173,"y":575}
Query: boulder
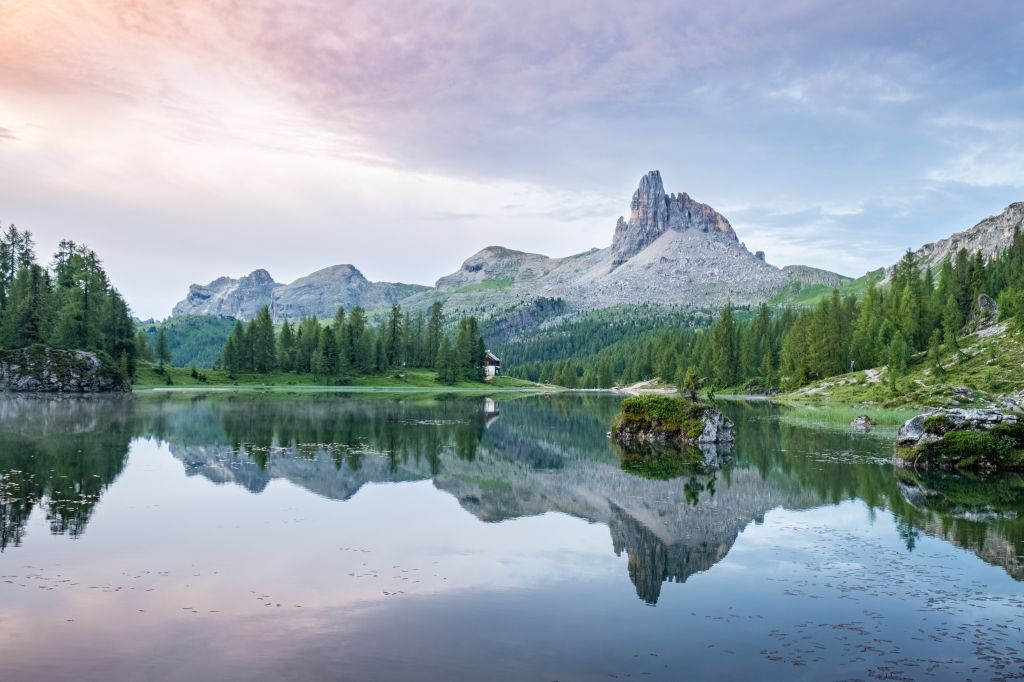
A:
{"x":962,"y":438}
{"x":668,"y":420}
{"x":862,"y":423}
{"x":717,"y":429}
{"x":41,"y":369}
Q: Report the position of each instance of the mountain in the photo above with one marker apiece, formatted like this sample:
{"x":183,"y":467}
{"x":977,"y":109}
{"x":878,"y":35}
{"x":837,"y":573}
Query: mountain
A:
{"x":320,"y":294}
{"x":990,"y":236}
{"x":673,"y":252}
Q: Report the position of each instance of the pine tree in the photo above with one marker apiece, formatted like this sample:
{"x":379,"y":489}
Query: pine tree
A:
{"x":262,"y":342}
{"x":286,"y":348}
{"x":899,"y":354}
{"x":434,"y":333}
{"x":951,"y":323}
{"x":447,"y":370}
{"x":163,"y":349}
{"x":725,"y":345}
{"x":143,"y":351}
{"x":392,"y":340}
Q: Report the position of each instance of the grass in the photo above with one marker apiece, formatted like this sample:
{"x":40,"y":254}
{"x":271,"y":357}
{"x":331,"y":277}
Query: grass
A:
{"x":795,"y":294}
{"x":150,"y":377}
{"x":987,"y":367}
{"x":840,"y":415}
{"x":487,"y":285}
{"x":1000,"y":448}
{"x":668,"y":414}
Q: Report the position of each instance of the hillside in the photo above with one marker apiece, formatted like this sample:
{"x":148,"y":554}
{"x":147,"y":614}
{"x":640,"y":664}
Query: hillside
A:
{"x":990,"y":236}
{"x":988,"y":369}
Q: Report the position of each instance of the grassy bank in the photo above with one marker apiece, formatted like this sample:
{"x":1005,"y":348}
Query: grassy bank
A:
{"x":150,"y":377}
{"x":988,"y":365}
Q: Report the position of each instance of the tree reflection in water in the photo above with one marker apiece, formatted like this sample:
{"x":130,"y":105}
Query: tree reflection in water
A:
{"x":672,"y":518}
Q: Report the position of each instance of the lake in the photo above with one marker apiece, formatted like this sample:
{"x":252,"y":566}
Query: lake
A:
{"x":356,"y":537}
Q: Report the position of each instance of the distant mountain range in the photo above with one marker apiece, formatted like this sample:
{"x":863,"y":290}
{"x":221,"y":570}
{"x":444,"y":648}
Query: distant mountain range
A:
{"x":320,"y":294}
{"x":672,"y":252}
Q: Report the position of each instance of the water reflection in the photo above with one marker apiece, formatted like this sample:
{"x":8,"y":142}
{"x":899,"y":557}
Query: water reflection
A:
{"x":543,"y":454}
{"x":60,"y":455}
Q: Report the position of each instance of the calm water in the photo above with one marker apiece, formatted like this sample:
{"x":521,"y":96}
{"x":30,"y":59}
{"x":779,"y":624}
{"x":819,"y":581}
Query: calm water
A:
{"x":385,"y":538}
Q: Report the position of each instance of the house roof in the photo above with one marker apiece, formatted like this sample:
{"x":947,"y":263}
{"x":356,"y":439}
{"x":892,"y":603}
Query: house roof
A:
{"x":491,"y":356}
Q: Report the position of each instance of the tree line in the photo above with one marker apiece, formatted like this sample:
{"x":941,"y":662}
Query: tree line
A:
{"x":69,"y":304}
{"x":919,"y":312}
{"x":352,"y":344}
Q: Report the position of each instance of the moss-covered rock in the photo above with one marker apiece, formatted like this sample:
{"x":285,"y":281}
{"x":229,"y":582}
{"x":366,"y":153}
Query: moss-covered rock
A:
{"x":962,"y":439}
{"x":666,"y":420}
{"x":41,"y":369}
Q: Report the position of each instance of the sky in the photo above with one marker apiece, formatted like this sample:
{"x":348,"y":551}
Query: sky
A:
{"x":186,"y":140}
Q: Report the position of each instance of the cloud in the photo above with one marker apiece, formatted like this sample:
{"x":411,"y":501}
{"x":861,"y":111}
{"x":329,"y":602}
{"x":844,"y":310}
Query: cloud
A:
{"x":279,"y":134}
{"x":7,"y":134}
{"x":985,"y":150}
{"x":852,"y":85}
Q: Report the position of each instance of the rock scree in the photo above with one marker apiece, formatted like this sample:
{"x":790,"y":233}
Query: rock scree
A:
{"x":41,"y":369}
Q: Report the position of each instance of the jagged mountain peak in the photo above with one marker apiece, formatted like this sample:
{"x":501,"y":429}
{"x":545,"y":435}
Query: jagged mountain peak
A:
{"x":652,"y":212}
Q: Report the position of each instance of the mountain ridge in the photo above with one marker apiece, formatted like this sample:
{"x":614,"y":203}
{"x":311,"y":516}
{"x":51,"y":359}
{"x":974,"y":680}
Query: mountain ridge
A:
{"x":318,"y":293}
{"x":989,"y":235}
{"x":672,"y":251}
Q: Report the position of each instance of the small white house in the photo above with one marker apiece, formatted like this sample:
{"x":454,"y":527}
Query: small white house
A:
{"x":492,"y":365}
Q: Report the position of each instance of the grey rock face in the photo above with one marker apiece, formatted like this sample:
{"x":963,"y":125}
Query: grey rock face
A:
{"x":652,"y":213}
{"x":320,"y":294}
{"x":324,"y":291}
{"x":50,"y":370}
{"x":990,"y":236}
{"x":673,"y":252}
{"x":241,"y":298}
{"x":717,"y":429}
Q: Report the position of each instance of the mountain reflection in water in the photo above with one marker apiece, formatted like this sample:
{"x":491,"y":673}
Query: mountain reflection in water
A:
{"x":543,"y":454}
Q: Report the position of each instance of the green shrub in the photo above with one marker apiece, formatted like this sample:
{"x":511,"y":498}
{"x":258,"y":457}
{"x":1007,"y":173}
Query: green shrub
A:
{"x":663,"y":412}
{"x":1014,"y":432}
{"x":966,"y":449}
{"x":937,"y":424}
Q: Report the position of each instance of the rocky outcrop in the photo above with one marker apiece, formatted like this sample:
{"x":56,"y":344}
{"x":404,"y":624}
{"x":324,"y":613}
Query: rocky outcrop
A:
{"x":665,"y":420}
{"x":240,"y":298}
{"x":320,"y":294}
{"x":990,"y":236}
{"x":673,"y":252}
{"x":324,"y":291}
{"x":652,"y":213}
{"x":962,"y":439}
{"x":40,"y":369}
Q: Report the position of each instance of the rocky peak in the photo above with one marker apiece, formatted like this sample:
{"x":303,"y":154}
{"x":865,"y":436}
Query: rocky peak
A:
{"x":990,"y":236}
{"x":258,"y":277}
{"x":652,"y":213}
